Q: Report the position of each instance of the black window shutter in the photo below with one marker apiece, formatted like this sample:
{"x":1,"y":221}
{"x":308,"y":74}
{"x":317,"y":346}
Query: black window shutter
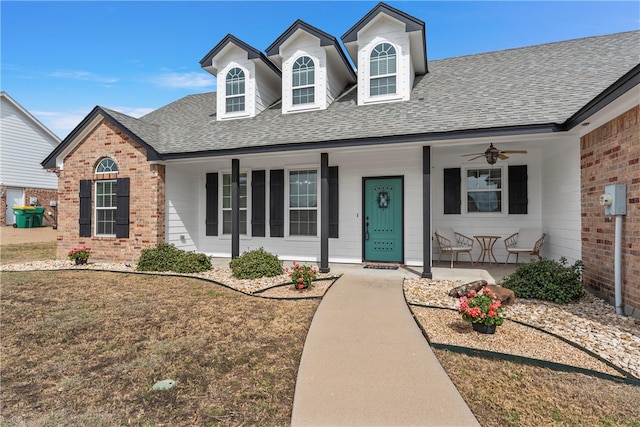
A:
{"x":211,"y":212}
{"x":452,"y":200}
{"x":518,"y":196}
{"x":257,"y":203}
{"x":333,"y":202}
{"x":122,"y":207}
{"x":85,"y":208}
{"x":276,"y":203}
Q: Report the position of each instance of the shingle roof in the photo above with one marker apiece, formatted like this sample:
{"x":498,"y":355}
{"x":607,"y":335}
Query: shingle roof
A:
{"x":531,"y":86}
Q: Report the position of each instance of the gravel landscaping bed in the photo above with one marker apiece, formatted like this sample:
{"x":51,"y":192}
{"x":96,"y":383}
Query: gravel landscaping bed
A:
{"x":589,"y":322}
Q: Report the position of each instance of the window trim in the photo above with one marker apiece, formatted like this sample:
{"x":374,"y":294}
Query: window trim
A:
{"x":113,"y":208}
{"x":288,"y":208}
{"x":305,"y":86}
{"x":371,"y":77}
{"x":504,"y":191}
{"x":114,"y":164}
{"x":227,"y":96}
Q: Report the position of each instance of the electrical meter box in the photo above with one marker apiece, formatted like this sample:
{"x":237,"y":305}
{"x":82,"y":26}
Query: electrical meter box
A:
{"x":618,"y":204}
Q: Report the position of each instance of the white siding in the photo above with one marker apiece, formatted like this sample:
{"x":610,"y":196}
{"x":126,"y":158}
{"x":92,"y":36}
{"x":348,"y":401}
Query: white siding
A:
{"x":380,"y":30}
{"x":553,"y":189}
{"x":561,"y":200}
{"x":304,"y":45}
{"x":470,"y":224}
{"x":23,"y":145}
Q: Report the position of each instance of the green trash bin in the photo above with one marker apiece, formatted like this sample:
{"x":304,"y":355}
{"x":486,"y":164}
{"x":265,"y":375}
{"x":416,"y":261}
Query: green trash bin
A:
{"x":24,"y":216}
{"x":37,"y":214}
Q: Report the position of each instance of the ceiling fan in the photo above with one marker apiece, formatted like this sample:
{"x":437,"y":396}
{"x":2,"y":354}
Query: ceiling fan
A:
{"x":492,"y":154}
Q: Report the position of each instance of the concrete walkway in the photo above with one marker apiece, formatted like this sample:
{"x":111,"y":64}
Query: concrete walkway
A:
{"x":366,"y":363}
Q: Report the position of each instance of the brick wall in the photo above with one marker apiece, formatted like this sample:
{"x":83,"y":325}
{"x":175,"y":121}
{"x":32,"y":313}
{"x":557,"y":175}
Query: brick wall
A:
{"x":611,"y":155}
{"x":44,"y":196}
{"x":146,"y":197}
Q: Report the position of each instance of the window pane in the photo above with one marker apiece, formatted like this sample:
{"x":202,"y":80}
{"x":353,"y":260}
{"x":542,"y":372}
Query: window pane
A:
{"x":480,"y":179}
{"x":484,"y":190}
{"x":106,"y":165}
{"x":303,"y":96}
{"x":383,"y":86}
{"x":106,"y":194}
{"x":383,"y":60}
{"x":235,"y":104}
{"x":484,"y":201}
{"x":105,"y":221}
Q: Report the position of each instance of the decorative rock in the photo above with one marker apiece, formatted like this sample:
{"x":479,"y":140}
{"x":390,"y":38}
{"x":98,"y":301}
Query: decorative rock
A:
{"x":463,"y":290}
{"x":506,"y":296}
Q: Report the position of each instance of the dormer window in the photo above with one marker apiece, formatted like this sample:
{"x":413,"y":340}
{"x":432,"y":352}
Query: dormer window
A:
{"x":303,"y":81}
{"x":383,"y":70}
{"x":235,"y":90}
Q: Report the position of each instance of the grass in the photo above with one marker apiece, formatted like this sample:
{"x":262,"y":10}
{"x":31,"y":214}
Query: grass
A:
{"x":24,"y":252}
{"x":503,"y":394}
{"x":83,"y":348}
{"x":86,"y":347}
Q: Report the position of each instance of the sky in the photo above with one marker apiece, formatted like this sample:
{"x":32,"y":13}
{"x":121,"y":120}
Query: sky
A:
{"x":60,"y":59}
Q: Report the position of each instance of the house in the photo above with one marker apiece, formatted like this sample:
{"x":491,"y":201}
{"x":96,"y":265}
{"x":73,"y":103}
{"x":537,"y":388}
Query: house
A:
{"x":24,"y":142}
{"x":316,"y":160}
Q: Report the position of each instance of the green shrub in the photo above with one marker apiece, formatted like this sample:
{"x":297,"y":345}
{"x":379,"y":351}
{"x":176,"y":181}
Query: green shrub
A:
{"x":548,"y":280}
{"x":166,"y":257}
{"x":255,"y":264}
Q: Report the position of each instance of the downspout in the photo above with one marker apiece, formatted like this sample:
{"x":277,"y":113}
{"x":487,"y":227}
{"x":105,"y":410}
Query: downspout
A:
{"x":617,"y":265}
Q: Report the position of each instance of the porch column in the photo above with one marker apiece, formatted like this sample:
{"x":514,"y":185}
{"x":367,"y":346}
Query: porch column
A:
{"x":426,"y":213}
{"x":324,"y":213}
{"x":235,"y":208}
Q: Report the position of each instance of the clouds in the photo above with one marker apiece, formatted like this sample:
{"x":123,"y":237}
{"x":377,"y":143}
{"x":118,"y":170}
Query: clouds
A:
{"x":84,"y":76}
{"x":191,"y":80}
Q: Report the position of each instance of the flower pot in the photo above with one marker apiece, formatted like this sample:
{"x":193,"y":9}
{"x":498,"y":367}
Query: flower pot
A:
{"x":484,"y":329}
{"x":80,"y":261}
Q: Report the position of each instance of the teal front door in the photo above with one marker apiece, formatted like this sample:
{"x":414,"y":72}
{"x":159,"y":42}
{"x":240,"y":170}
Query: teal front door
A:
{"x":383,"y":212}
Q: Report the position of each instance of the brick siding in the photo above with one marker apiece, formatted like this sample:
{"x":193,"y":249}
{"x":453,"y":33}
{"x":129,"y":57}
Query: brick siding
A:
{"x":611,"y":155}
{"x":146,"y":197}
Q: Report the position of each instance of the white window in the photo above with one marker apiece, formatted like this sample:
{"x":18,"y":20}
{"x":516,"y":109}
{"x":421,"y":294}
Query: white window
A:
{"x":107,"y":165}
{"x":106,"y":207}
{"x":484,"y":190}
{"x":303,"y":203}
{"x":226,"y":203}
{"x":303,"y":79}
{"x":383,"y":70}
{"x":235,"y":90}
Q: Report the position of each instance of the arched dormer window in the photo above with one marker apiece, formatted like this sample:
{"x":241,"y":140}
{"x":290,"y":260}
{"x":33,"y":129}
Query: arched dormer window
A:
{"x":383,"y":70}
{"x":303,"y":81}
{"x":107,"y":165}
{"x":235,"y":90}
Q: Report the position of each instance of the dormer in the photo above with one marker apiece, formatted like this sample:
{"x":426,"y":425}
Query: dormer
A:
{"x":247,"y":82}
{"x":315,"y":69}
{"x":389,"y":50}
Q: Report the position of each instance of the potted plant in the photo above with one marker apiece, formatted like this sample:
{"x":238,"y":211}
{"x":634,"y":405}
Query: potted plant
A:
{"x":483,"y":309}
{"x":80,"y":255}
{"x":302,"y":275}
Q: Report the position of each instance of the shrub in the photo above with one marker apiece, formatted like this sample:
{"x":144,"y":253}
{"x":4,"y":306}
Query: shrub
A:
{"x":548,"y":280}
{"x":255,"y":264}
{"x":302,"y":275}
{"x":166,"y":257}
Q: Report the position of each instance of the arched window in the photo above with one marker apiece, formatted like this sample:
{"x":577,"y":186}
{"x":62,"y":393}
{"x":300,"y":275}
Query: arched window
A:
{"x":303,"y":81}
{"x":383,"y":70}
{"x":107,"y":165}
{"x":235,"y":90}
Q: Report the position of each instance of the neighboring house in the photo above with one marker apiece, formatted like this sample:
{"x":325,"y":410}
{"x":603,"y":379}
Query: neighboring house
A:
{"x":24,"y":142}
{"x":304,"y":156}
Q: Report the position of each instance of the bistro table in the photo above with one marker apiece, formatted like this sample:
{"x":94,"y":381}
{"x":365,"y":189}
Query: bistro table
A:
{"x":486,"y":247}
